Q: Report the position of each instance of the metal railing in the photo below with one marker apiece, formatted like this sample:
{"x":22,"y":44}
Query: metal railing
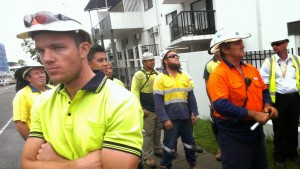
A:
{"x":151,"y":48}
{"x":193,"y":23}
{"x":101,"y":26}
{"x":256,"y":58}
{"x":125,"y":74}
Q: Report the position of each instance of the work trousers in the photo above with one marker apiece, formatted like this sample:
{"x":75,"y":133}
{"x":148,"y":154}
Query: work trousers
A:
{"x":285,"y":127}
{"x":151,"y":134}
{"x":184,"y":129}
{"x":242,"y":155}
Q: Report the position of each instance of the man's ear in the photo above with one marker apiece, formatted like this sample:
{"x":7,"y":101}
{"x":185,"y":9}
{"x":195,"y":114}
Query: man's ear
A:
{"x":84,"y":49}
{"x":224,"y":50}
{"x":28,"y":78}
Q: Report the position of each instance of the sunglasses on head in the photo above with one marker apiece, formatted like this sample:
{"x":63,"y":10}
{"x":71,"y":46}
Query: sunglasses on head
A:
{"x":173,"y":56}
{"x":277,"y":43}
{"x":44,"y":17}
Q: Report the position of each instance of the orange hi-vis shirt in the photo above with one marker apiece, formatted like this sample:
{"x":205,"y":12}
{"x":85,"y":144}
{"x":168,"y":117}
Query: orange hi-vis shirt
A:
{"x":227,"y":83}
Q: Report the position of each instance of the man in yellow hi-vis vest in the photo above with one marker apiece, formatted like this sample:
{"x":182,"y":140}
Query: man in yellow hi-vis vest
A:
{"x":281,"y":73}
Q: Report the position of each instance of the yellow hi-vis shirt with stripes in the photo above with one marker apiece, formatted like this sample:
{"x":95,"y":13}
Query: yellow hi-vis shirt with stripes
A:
{"x":23,"y":102}
{"x":101,"y":115}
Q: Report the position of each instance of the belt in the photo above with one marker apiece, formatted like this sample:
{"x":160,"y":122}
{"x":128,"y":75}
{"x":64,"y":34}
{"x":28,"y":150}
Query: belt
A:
{"x":288,"y":94}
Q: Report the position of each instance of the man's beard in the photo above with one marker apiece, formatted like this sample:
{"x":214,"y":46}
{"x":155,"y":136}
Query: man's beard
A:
{"x":174,"y":66}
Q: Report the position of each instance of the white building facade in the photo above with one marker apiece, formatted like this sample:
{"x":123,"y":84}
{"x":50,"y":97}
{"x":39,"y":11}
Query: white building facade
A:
{"x":134,"y":26}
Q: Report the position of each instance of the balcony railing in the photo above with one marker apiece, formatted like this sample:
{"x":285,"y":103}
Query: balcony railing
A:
{"x":101,"y":26}
{"x":151,"y":48}
{"x":193,"y":23}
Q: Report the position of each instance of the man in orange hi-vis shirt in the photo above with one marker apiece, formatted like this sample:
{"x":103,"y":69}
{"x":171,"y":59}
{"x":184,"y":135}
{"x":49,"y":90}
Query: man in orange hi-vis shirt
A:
{"x":240,"y":99}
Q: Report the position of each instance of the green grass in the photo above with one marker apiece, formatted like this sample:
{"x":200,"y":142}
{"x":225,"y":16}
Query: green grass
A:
{"x":205,"y":139}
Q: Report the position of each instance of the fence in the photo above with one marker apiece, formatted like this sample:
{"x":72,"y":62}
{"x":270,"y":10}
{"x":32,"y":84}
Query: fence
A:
{"x":125,"y":74}
{"x":256,"y":58}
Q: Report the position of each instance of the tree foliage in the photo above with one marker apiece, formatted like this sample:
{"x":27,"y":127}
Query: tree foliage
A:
{"x":22,"y":62}
{"x":29,"y":47}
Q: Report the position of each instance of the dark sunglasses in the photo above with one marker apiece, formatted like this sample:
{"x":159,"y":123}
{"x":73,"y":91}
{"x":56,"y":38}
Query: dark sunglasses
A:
{"x":277,"y":43}
{"x":173,"y":56}
{"x":44,"y":17}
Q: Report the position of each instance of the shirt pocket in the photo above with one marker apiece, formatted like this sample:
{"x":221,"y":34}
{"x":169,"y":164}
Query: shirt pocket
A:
{"x":237,"y":93}
{"x":92,"y":135}
{"x":185,"y":83}
{"x":257,"y":84}
{"x":168,"y":84}
{"x":292,"y":72}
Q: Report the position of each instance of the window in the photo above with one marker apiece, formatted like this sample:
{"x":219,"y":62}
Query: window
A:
{"x":131,"y":63}
{"x":119,"y":55}
{"x":170,"y":17}
{"x":137,"y":53}
{"x":130,"y":54}
{"x":125,"y":56}
{"x":147,"y":4}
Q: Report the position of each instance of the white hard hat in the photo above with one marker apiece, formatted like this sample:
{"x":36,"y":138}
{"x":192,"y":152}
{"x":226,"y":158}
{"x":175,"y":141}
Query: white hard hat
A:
{"x":22,"y":72}
{"x":147,"y":56}
{"x":225,"y":35}
{"x":278,"y":38}
{"x":48,"y":21}
{"x":164,"y":52}
{"x":163,"y":55}
{"x":212,"y":43}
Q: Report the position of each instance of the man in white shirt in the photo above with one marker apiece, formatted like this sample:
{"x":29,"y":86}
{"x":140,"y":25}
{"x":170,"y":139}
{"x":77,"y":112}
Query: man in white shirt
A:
{"x":281,"y":73}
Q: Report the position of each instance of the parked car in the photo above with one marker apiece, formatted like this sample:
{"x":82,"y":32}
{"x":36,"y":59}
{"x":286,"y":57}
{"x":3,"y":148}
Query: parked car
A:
{"x":7,"y":81}
{"x":3,"y":82}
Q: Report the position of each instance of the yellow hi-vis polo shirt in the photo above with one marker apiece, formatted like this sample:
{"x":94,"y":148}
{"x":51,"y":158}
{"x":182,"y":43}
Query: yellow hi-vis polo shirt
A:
{"x":101,"y":115}
{"x":23,"y":102}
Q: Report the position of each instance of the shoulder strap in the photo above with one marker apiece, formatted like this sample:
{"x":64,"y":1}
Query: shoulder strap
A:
{"x":147,"y":78}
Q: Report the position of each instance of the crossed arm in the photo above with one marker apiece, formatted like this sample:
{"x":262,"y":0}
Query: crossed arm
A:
{"x":38,"y":154}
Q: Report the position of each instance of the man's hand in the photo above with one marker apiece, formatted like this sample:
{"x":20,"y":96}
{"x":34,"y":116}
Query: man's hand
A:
{"x":146,"y":112}
{"x":38,"y":154}
{"x":168,"y":124}
{"x":260,"y":117}
{"x":194,"y":118}
{"x":47,"y":153}
{"x":272,"y":111}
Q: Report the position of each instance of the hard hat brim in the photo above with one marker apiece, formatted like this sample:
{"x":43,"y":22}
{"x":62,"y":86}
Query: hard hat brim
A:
{"x":58,"y":26}
{"x":21,"y":73}
{"x":215,"y":48}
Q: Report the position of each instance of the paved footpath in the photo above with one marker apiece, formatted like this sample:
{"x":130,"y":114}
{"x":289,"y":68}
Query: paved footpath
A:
{"x":205,"y":160}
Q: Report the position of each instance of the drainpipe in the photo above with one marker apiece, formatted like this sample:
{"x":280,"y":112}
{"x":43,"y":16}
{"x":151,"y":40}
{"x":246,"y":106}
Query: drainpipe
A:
{"x":112,"y":39}
{"x":259,"y":34}
{"x":91,"y":23}
{"x":159,"y":28}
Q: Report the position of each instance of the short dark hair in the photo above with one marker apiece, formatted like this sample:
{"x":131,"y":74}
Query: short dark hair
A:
{"x":95,"y":49}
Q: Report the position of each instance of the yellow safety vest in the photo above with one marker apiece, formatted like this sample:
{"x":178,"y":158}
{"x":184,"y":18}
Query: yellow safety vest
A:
{"x":272,"y":85}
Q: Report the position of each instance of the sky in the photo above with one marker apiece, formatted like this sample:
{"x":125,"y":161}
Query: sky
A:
{"x":13,"y":11}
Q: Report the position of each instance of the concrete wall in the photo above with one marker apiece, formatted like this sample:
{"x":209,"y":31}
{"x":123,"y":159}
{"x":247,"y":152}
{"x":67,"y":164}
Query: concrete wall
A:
{"x":275,"y":14}
{"x":163,"y":10}
{"x":195,"y":63}
{"x":239,"y":15}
